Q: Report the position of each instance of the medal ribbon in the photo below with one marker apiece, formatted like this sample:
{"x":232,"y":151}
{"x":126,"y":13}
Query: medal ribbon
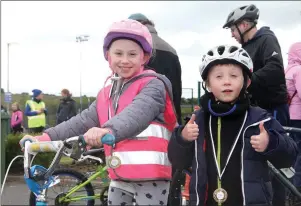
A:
{"x":219,"y":126}
{"x":217,"y":154}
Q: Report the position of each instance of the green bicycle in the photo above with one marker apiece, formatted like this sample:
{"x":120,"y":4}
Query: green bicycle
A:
{"x":43,"y":182}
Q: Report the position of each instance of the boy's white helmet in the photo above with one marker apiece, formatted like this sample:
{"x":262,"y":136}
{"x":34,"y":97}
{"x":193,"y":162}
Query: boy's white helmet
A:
{"x":224,"y":54}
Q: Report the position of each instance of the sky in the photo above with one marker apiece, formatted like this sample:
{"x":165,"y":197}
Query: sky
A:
{"x":44,"y":54}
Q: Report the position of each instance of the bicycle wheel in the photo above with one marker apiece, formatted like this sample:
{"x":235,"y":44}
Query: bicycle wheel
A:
{"x":77,"y":178}
{"x":104,"y":196}
{"x":292,"y":200}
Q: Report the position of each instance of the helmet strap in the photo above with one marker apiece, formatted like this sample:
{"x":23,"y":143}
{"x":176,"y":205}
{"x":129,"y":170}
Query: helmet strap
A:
{"x":244,"y":33}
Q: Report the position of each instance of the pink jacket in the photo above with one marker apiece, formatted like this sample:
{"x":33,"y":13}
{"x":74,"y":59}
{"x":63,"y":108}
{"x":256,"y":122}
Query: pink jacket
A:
{"x":16,"y":118}
{"x":293,"y":80}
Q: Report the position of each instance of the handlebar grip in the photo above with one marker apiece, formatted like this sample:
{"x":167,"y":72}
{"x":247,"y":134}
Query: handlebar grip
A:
{"x":52,"y":146}
{"x":108,"y":139}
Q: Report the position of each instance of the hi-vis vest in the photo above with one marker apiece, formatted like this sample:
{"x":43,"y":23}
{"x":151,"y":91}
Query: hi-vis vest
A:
{"x":38,"y":120}
{"x":143,"y":157}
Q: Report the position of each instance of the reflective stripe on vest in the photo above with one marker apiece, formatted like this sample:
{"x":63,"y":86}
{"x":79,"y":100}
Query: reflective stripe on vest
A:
{"x":143,"y":157}
{"x":37,"y":120}
{"x":154,"y":130}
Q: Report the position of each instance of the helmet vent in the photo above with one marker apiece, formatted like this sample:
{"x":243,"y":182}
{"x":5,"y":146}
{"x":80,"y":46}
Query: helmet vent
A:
{"x":251,"y":8}
{"x":221,"y":50}
{"x":243,"y":7}
{"x":210,"y":53}
{"x":244,"y":54}
{"x":233,"y":49}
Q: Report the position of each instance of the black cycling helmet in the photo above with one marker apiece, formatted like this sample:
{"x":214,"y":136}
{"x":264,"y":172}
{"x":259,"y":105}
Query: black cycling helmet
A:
{"x":249,"y":12}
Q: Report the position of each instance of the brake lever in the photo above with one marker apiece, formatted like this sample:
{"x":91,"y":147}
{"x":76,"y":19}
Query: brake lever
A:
{"x":82,"y":158}
{"x":78,"y":149}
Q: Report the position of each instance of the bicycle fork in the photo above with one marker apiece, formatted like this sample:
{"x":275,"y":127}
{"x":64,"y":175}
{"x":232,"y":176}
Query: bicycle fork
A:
{"x":40,"y":200}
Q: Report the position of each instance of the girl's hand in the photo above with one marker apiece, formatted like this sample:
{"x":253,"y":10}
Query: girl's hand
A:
{"x":93,"y":136}
{"x":26,"y":138}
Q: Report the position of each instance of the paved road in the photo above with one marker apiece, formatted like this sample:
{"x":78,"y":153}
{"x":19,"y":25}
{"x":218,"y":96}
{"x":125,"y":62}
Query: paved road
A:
{"x":16,"y":192}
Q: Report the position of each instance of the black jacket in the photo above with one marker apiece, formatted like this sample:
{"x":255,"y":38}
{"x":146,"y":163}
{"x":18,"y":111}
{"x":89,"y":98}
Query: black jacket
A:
{"x":268,"y":88}
{"x":254,"y":171}
{"x":66,"y":110}
{"x":165,"y":61}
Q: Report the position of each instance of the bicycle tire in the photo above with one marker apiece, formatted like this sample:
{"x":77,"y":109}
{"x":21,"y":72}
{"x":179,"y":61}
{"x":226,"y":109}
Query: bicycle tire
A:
{"x":82,"y":178}
{"x":103,"y":197}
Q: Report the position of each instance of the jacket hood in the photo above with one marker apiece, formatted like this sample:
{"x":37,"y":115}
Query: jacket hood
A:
{"x":261,"y":32}
{"x":151,"y":29}
{"x":294,"y":54}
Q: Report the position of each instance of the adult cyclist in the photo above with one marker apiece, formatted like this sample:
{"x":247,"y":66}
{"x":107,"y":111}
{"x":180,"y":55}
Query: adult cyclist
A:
{"x":268,"y":88}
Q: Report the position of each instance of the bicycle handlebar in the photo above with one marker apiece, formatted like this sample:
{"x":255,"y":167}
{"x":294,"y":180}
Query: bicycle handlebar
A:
{"x":55,"y":146}
{"x":292,"y":129}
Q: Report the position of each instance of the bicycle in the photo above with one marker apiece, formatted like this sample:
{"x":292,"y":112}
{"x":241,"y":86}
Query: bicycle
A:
{"x":40,"y":179}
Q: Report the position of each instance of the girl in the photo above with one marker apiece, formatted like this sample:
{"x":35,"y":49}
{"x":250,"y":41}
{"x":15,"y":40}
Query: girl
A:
{"x":227,"y":142}
{"x":293,"y":83}
{"x":137,"y":109}
{"x":16,"y":119}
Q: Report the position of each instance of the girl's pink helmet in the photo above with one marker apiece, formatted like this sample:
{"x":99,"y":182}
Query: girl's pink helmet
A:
{"x":129,"y":29}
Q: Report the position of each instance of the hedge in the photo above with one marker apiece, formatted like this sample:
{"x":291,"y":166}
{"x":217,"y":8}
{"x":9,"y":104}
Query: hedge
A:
{"x":12,"y":149}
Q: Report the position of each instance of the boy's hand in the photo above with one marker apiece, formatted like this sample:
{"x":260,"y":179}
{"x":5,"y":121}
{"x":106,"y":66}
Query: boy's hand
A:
{"x":191,"y":130}
{"x":260,"y":142}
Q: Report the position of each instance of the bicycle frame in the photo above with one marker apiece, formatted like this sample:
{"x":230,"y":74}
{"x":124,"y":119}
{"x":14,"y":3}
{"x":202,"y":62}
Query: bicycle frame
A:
{"x":66,"y":198}
{"x":39,"y":179}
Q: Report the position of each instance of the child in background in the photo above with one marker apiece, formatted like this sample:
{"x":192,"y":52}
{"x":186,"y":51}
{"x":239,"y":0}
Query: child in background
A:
{"x":16,"y":119}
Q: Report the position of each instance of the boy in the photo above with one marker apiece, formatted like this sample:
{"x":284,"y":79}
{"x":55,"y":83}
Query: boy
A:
{"x":227,"y":142}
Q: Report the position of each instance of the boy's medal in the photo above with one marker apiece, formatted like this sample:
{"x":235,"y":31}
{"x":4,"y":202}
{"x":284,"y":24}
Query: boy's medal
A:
{"x":220,"y":195}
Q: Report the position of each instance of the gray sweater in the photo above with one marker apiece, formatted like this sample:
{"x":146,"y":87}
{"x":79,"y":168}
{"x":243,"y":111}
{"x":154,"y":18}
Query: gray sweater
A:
{"x":147,"y":106}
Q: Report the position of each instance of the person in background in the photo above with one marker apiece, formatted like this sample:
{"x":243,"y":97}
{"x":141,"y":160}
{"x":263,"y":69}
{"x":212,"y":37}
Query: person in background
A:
{"x":293,"y":83}
{"x":16,"y":119}
{"x":67,"y":107}
{"x":268,"y":88}
{"x":36,"y":112}
{"x":164,"y":61}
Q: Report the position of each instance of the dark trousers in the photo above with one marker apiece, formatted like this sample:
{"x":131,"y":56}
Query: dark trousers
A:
{"x":175,"y":196}
{"x":281,"y":113}
{"x":17,"y":129}
{"x":297,"y":166}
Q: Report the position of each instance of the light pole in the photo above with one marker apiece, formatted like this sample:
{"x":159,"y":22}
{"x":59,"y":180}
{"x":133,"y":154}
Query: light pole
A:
{"x":8,"y":45}
{"x":80,"y":39}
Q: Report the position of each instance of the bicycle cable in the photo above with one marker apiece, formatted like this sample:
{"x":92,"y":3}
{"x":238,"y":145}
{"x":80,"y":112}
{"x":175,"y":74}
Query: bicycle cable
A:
{"x":9,"y":166}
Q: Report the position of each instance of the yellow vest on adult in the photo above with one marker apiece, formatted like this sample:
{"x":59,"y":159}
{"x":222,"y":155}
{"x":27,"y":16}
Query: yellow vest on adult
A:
{"x":37,"y":120}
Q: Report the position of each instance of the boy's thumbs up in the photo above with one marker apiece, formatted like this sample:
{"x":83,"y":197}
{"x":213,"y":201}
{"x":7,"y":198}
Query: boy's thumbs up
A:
{"x":192,"y":119}
{"x":261,"y":128}
{"x":191,"y":129}
{"x":260,"y":142}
